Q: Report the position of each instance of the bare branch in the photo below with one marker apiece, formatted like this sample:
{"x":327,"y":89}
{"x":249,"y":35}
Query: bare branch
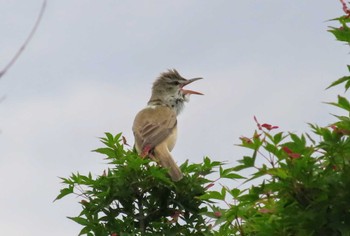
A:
{"x":26,"y":42}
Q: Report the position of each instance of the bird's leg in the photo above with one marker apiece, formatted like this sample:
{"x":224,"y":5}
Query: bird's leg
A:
{"x":153,"y":158}
{"x":146,"y":151}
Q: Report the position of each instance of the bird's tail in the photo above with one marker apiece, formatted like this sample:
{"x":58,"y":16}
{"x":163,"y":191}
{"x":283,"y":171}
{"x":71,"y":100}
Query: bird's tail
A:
{"x":163,"y":156}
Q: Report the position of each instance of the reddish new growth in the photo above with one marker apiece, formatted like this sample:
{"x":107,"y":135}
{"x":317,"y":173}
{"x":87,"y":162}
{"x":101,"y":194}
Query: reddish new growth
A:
{"x":345,"y":7}
{"x":217,"y":214}
{"x":265,"y":125}
{"x":246,"y":140}
{"x":269,"y":127}
{"x":84,"y":202}
{"x":257,"y":123}
{"x":124,"y":141}
{"x":265,"y":210}
{"x":175,"y":217}
{"x":209,"y":186}
{"x":290,"y":153}
{"x":340,"y":131}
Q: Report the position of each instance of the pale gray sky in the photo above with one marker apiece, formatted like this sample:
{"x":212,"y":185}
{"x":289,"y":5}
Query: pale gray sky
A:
{"x":90,"y":67}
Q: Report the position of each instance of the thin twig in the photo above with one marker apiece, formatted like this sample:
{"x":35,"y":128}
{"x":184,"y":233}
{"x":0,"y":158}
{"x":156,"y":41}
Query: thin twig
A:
{"x":141,"y":214}
{"x":26,"y":42}
{"x":345,"y":7}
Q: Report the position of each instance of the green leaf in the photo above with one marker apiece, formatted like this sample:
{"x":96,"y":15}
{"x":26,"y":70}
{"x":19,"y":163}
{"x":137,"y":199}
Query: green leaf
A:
{"x":117,"y":138}
{"x":342,"y":103}
{"x":310,"y":138}
{"x":259,"y":173}
{"x":278,"y":172}
{"x":107,"y":151}
{"x":228,"y":174}
{"x":299,"y":141}
{"x":86,"y":230}
{"x":342,"y":19}
{"x":248,"y":161}
{"x":272,"y":149}
{"x":233,"y":176}
{"x":278,"y":138}
{"x":339,"y":81}
{"x":240,"y":167}
{"x":235,"y":192}
{"x":212,"y":195}
{"x":341,"y":34}
{"x":223,"y":192}
{"x":65,"y":192}
{"x":347,"y":85}
{"x":67,"y":181}
{"x":232,"y":213}
{"x":109,"y":137}
{"x":79,"y":220}
{"x":190,"y":168}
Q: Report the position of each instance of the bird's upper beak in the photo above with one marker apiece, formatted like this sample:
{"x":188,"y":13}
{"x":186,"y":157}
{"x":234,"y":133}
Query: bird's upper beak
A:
{"x":185,"y":91}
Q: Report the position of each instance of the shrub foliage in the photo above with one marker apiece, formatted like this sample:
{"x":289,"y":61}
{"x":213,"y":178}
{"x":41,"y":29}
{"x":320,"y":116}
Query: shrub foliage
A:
{"x":298,"y":185}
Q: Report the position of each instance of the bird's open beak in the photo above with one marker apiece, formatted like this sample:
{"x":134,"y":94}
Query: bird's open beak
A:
{"x":185,"y":91}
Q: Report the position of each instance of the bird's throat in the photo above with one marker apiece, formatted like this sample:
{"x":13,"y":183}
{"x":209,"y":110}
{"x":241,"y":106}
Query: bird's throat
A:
{"x":175,"y":103}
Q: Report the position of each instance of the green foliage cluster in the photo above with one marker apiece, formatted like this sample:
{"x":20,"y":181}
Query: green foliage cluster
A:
{"x":136,"y":197}
{"x":304,"y":185}
{"x":297,"y":186}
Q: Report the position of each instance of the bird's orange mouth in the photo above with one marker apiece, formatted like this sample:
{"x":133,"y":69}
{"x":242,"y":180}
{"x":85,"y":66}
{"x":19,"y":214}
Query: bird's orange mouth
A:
{"x":187,"y":91}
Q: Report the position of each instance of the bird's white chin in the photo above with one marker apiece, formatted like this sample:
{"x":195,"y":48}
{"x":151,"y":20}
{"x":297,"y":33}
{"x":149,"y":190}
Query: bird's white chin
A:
{"x":187,"y":97}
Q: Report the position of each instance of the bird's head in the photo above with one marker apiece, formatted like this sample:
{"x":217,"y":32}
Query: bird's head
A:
{"x":169,"y":88}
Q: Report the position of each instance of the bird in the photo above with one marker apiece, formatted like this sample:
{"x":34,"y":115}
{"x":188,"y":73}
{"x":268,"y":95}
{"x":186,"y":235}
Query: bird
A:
{"x":155,"y":126}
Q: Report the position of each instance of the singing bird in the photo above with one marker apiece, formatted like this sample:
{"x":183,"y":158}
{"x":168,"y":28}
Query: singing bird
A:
{"x":155,"y":126}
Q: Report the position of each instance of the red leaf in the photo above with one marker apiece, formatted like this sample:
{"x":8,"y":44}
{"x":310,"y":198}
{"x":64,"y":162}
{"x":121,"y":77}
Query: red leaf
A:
{"x":245,"y":139}
{"x":339,"y":131}
{"x":175,"y":216}
{"x":257,"y":123}
{"x":265,"y":210}
{"x":333,"y":127}
{"x":84,"y":202}
{"x":124,"y":141}
{"x":217,"y":214}
{"x":290,"y":153}
{"x":209,"y":186}
{"x":269,"y":127}
{"x":256,"y":135}
{"x":294,"y":155}
{"x":287,"y":150}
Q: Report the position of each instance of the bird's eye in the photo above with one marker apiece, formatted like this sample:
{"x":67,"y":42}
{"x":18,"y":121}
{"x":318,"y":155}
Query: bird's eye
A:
{"x":175,"y":82}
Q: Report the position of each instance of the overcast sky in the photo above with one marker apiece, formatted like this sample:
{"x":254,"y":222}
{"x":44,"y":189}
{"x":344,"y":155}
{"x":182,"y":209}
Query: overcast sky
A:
{"x":90,"y":67}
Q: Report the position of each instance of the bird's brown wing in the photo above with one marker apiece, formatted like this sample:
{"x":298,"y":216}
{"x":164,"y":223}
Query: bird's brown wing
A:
{"x":153,"y":125}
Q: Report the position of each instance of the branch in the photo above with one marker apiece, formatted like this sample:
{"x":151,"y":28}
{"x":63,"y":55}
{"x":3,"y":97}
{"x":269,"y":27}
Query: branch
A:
{"x":26,"y":42}
{"x":345,"y":7}
{"x":141,"y":215}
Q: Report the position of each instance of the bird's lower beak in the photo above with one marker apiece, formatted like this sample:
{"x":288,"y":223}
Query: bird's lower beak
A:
{"x":185,"y":91}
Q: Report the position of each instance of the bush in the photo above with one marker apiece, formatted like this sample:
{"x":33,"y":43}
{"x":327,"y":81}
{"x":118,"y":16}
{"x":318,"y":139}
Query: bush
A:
{"x":136,"y":197}
{"x":298,"y":186}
